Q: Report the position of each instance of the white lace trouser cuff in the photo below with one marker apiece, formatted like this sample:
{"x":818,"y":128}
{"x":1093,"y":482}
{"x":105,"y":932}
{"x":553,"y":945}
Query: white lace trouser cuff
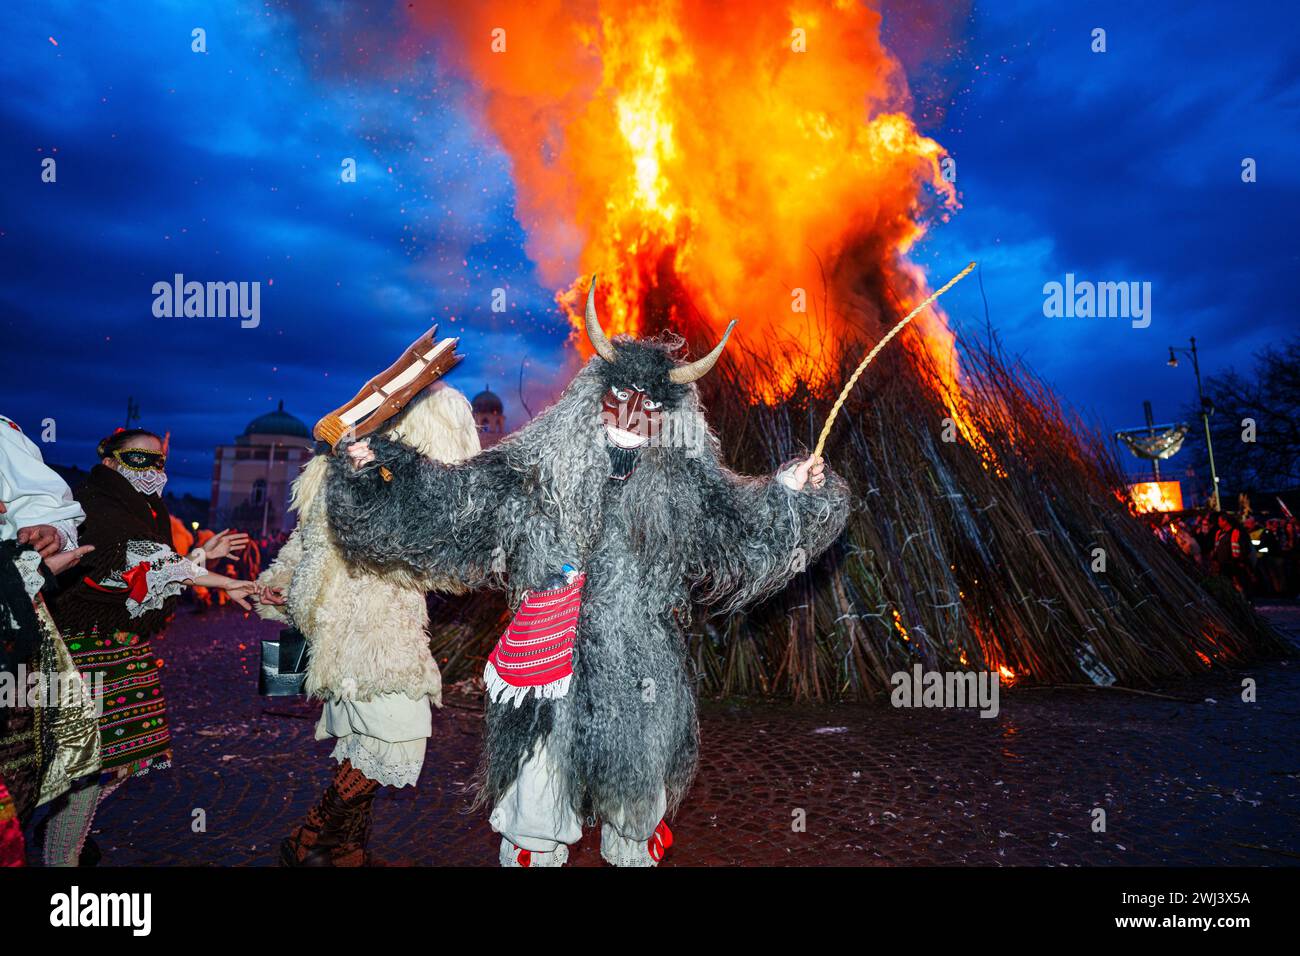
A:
{"x":509,"y":856}
{"x":618,"y":850}
{"x":395,"y":767}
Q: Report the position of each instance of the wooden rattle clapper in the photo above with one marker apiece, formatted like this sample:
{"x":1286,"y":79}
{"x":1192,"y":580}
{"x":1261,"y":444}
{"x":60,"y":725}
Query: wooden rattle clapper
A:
{"x":422,"y":364}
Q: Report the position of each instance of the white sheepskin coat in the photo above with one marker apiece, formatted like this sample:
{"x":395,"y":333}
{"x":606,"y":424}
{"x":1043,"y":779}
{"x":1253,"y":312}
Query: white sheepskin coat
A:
{"x":366,"y":631}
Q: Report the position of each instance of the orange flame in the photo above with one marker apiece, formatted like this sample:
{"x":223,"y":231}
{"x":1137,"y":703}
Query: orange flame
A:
{"x":711,"y":160}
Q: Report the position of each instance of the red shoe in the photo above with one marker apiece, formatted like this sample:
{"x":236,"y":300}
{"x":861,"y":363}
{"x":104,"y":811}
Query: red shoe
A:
{"x":659,"y":841}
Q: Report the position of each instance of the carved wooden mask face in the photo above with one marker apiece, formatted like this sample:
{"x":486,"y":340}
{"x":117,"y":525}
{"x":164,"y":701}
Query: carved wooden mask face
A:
{"x":630,"y":416}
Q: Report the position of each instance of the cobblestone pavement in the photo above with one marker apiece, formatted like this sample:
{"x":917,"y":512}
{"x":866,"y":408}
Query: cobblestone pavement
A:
{"x":1202,"y":779}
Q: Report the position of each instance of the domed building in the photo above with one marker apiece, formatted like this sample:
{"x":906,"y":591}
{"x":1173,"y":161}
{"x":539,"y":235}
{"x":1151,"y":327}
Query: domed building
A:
{"x":489,"y":416}
{"x":251,"y":479}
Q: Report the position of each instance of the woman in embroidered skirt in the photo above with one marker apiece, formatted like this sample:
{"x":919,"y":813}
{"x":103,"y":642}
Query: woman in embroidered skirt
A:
{"x":110,"y":607}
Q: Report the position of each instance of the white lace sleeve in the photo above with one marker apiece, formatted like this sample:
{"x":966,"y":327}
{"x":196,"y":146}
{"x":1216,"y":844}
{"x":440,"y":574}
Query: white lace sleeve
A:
{"x":165,"y":575}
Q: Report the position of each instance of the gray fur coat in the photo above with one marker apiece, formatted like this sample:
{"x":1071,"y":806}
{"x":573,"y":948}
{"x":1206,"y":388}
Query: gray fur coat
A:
{"x":681,"y":529}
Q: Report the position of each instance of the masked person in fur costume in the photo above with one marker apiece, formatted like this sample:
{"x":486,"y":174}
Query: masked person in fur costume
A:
{"x":368,"y":650}
{"x":604,"y":517}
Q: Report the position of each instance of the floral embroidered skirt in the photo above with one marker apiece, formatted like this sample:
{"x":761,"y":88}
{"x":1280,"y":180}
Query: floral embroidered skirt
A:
{"x":133,"y":729}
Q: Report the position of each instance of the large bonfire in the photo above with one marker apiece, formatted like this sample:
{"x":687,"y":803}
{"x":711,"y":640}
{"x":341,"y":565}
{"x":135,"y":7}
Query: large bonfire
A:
{"x":758,"y":160}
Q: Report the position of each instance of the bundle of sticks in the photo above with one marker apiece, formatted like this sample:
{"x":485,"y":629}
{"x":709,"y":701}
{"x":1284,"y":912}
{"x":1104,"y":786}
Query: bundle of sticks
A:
{"x":975,"y":550}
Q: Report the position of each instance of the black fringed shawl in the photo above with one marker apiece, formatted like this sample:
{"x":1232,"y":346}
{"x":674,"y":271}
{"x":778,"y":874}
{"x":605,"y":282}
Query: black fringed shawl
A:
{"x":115,"y":514}
{"x":20,"y":633}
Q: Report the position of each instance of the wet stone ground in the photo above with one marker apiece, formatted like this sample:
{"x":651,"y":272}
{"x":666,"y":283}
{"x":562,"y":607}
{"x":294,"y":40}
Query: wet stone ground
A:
{"x":1202,"y":779}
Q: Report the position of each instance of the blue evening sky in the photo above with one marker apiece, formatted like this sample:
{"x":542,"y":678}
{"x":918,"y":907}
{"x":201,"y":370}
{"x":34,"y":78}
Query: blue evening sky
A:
{"x":225,"y":166}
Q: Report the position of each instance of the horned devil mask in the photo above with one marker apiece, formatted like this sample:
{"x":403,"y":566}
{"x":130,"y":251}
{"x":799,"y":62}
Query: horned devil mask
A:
{"x":642,"y":383}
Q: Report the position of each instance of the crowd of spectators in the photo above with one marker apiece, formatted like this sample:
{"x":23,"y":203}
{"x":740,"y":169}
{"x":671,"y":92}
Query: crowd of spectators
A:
{"x":1257,"y":552}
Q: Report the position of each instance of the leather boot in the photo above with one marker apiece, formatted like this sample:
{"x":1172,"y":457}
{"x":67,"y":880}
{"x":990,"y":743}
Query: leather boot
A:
{"x":336,"y":830}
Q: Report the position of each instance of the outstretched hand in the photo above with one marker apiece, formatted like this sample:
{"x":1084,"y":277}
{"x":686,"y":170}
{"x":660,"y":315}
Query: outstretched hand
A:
{"x":269,"y":595}
{"x":60,"y":562}
{"x":241,"y":592}
{"x":810,"y":470}
{"x":225,"y":543}
{"x":43,"y":537}
{"x":360,"y":453}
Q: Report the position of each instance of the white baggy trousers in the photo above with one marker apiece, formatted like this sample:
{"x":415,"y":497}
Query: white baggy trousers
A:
{"x":533,"y":815}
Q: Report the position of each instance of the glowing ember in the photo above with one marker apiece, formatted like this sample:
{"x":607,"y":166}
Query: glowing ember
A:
{"x":898,"y":625}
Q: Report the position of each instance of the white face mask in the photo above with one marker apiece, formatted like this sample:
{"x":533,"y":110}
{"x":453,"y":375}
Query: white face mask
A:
{"x":148,"y":482}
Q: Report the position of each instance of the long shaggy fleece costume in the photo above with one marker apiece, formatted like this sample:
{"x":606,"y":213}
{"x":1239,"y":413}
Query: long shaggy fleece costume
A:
{"x":622,"y":743}
{"x":369,"y":656}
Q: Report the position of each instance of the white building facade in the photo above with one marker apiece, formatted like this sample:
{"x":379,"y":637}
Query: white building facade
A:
{"x":252,"y":479}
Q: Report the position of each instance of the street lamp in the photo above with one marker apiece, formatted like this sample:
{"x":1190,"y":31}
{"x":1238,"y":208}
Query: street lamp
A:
{"x":1205,"y":414}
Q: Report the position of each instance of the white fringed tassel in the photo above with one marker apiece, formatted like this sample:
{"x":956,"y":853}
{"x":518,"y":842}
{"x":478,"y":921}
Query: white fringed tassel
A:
{"x":499,"y":691}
